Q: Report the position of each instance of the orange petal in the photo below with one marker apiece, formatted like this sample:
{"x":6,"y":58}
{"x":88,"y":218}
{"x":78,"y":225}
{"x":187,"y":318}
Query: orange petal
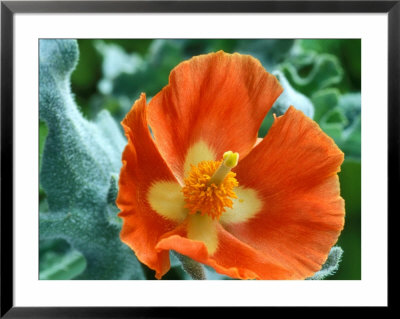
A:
{"x":142,"y":166}
{"x":218,"y":98}
{"x":232,"y":257}
{"x":294,"y":170}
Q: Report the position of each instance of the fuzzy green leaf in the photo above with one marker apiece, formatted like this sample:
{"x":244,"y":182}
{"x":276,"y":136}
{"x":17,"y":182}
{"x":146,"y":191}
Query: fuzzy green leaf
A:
{"x":63,"y":267}
{"x":270,"y":52}
{"x":331,"y":265}
{"x":343,"y":123}
{"x":323,"y":72}
{"x":79,"y":160}
{"x":290,"y":97}
{"x":324,"y":101}
{"x":194,"y":269}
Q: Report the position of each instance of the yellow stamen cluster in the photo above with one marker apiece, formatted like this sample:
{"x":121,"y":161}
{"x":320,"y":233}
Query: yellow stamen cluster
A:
{"x":206,"y":192}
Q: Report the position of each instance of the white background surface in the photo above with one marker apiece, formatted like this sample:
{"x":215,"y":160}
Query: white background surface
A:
{"x":371,"y":290}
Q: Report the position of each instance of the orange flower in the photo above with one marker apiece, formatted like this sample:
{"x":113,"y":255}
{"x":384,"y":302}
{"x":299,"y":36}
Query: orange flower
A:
{"x":274,"y":214}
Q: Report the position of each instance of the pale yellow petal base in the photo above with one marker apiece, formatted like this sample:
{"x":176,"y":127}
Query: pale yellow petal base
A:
{"x":204,"y":229}
{"x":166,"y":198}
{"x":245,"y":207}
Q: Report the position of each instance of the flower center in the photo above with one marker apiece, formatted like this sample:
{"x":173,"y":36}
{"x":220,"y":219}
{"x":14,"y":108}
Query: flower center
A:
{"x":209,"y":186}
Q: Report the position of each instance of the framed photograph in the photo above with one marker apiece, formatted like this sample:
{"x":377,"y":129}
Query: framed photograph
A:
{"x":163,"y":155}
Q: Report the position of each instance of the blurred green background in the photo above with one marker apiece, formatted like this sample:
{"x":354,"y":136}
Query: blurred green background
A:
{"x":320,"y":76}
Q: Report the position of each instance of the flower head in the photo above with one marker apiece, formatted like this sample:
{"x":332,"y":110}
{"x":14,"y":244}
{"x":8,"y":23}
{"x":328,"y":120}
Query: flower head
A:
{"x":206,"y":188}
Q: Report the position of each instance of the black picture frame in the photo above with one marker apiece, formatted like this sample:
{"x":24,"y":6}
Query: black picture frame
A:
{"x":9,"y":8}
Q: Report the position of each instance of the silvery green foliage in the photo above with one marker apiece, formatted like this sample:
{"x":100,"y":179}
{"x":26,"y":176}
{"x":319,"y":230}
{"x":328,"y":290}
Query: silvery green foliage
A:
{"x":194,"y":269}
{"x":325,"y":71}
{"x":340,"y":117}
{"x":115,"y":62}
{"x":290,"y":97}
{"x":64,"y":267}
{"x":331,"y":265}
{"x":148,"y":74}
{"x":270,"y":52}
{"x":81,"y":161}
